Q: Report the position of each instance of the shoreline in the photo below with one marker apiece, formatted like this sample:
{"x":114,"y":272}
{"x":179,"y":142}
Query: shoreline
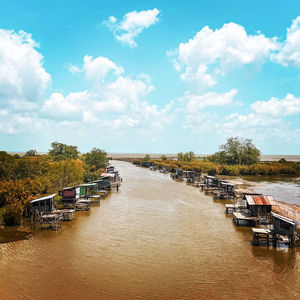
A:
{"x":289,"y":210}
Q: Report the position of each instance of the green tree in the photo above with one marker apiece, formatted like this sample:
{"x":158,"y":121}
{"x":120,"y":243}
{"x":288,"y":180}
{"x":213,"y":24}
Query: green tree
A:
{"x":61,"y":151}
{"x":180,"y":156}
{"x":236,"y":151}
{"x":65,"y":173}
{"x":96,"y":159}
{"x":31,"y":152}
{"x":164,"y":157}
{"x":188,"y":156}
{"x":144,"y":159}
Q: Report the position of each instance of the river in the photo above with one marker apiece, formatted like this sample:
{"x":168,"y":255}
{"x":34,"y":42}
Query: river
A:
{"x":154,"y":239}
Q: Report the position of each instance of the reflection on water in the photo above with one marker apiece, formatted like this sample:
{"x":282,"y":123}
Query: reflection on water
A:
{"x":282,"y":189}
{"x":155,"y":238}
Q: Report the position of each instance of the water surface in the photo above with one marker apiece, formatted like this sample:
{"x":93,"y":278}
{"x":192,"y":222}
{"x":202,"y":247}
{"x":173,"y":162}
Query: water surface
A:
{"x":154,"y":239}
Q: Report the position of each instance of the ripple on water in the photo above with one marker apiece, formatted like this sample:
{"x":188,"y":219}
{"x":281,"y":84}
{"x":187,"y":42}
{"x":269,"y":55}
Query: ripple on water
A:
{"x":155,"y":239}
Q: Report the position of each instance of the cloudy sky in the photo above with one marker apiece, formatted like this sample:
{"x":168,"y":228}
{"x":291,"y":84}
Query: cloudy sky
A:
{"x":149,"y":76}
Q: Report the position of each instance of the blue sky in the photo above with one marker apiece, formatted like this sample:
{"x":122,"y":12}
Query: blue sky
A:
{"x":148,"y":76}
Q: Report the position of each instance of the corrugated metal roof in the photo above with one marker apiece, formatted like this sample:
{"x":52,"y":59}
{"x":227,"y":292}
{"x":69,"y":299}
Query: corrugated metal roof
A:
{"x":43,"y":198}
{"x":283,"y":218}
{"x":259,"y":200}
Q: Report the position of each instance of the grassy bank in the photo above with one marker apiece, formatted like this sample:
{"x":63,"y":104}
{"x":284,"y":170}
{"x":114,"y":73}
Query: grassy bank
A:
{"x":267,"y":168}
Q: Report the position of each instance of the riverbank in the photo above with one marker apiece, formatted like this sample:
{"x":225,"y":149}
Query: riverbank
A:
{"x":137,"y":156}
{"x":289,"y":210}
{"x":13,"y":234}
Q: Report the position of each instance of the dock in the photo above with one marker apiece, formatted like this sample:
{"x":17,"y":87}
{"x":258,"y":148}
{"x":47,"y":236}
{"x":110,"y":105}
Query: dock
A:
{"x":240,"y":219}
{"x":50,"y":221}
{"x":67,"y":214}
{"x":261,"y":234}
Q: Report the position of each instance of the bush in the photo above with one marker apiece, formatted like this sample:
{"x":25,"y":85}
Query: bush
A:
{"x":13,"y":214}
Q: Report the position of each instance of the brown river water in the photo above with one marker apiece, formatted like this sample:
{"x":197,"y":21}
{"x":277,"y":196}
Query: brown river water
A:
{"x":154,"y":239}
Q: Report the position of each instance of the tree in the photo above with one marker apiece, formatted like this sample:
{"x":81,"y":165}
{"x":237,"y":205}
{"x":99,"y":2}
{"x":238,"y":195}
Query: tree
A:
{"x":144,"y":159}
{"x":31,"y":152}
{"x":61,"y":151}
{"x":97,"y":158}
{"x":188,"y":156}
{"x":164,"y":157}
{"x":237,"y":151}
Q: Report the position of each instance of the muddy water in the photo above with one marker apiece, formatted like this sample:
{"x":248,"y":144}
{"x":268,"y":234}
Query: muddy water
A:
{"x":154,"y":239}
{"x":282,"y":189}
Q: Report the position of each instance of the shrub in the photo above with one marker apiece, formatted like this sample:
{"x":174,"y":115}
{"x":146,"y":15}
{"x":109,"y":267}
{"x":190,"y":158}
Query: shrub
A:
{"x":13,"y":214}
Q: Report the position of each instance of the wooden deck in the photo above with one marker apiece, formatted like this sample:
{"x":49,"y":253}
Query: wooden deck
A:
{"x":240,"y":219}
{"x":67,"y":214}
{"x":95,"y":199}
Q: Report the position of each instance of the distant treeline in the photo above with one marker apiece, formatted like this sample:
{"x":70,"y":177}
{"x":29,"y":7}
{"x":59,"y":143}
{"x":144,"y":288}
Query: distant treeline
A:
{"x":238,"y":156}
{"x":212,"y":168}
{"x":23,"y":178}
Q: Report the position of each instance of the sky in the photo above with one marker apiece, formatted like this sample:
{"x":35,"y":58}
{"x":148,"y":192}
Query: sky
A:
{"x":149,"y":76}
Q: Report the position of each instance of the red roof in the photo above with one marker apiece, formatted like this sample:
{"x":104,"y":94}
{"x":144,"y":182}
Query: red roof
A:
{"x":259,"y":200}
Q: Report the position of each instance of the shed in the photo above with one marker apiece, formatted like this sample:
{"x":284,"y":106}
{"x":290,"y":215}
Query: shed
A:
{"x":44,"y":204}
{"x":87,"y":189}
{"x":211,"y":181}
{"x":110,"y":169}
{"x":227,"y":187}
{"x":103,"y":183}
{"x":259,"y":205}
{"x":69,"y":195}
{"x":283,"y":225}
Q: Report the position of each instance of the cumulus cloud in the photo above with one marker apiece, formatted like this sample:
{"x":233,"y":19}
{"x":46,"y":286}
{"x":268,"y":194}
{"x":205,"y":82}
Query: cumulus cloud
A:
{"x":195,"y":118}
{"x":290,"y":105}
{"x":12,"y":123}
{"x":132,"y":25}
{"x":22,"y":76}
{"x":115,"y":102}
{"x":289,"y":55}
{"x":196,"y":103}
{"x":266,"y":119}
{"x":222,"y":49}
{"x":96,"y":69}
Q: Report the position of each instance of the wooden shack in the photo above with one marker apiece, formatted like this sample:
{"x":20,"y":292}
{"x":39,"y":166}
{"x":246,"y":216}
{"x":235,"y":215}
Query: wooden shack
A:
{"x":87,"y":189}
{"x":178,"y":175}
{"x":104,"y":183}
{"x":226,"y":191}
{"x":283,"y":225}
{"x":110,"y":169}
{"x":283,"y":232}
{"x":69,"y":196}
{"x":259,"y":205}
{"x":44,"y":204}
{"x":164,"y":169}
{"x":211,"y":181}
{"x":192,"y":176}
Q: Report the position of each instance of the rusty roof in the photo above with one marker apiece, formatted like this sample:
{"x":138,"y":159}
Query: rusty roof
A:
{"x":259,"y":200}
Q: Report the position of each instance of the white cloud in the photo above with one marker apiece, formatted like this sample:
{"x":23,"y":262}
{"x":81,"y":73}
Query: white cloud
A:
{"x":96,"y":69}
{"x":73,"y":69}
{"x":22,"y":76}
{"x":114,"y":102}
{"x":290,"y":105}
{"x":132,"y":25}
{"x":196,"y":103}
{"x":223,"y":49}
{"x":70,"y":107}
{"x":266,"y":119}
{"x":12,"y":123}
{"x":290,"y":51}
